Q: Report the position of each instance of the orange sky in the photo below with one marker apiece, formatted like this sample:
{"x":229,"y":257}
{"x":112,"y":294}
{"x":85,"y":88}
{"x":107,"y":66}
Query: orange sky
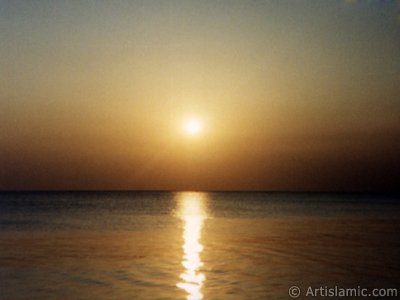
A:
{"x":293,"y":95}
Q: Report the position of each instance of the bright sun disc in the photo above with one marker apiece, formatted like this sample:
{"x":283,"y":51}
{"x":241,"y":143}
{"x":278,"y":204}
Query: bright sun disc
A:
{"x":193,"y":126}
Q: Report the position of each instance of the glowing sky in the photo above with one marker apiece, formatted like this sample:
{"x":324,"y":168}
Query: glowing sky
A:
{"x":292,"y":95}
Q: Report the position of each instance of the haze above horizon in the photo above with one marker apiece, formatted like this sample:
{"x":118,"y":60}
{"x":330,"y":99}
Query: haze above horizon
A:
{"x":200,"y":95}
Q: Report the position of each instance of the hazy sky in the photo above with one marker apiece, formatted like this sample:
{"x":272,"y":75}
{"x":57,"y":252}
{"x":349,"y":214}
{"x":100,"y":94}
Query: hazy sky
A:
{"x":293,"y":95}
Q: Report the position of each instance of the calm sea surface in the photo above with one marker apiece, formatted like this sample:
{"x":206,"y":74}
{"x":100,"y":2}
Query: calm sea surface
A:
{"x":145,"y":245}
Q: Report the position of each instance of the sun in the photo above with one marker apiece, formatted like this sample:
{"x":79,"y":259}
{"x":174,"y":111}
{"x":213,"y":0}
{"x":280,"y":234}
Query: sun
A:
{"x":193,"y":126}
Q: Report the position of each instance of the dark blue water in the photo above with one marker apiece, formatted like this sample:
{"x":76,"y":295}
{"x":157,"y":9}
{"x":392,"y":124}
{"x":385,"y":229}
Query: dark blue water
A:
{"x":114,"y":210}
{"x":164,"y":245}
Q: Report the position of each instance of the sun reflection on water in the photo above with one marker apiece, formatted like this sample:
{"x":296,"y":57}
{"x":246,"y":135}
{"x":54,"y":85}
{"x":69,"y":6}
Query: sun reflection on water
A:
{"x":192,"y":213}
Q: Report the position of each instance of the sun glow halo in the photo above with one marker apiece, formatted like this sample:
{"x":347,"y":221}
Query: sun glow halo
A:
{"x":193,"y":126}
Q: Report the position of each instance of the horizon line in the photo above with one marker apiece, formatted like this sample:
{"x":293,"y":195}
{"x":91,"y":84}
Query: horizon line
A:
{"x":195,"y":191}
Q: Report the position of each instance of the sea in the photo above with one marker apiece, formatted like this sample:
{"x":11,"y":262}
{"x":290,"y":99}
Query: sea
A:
{"x":198,"y":245}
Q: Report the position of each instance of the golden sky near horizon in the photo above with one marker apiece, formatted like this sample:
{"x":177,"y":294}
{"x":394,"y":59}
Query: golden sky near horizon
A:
{"x":291,"y":95}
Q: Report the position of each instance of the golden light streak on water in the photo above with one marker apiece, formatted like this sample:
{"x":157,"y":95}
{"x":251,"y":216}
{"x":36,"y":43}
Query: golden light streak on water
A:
{"x":193,"y":214}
